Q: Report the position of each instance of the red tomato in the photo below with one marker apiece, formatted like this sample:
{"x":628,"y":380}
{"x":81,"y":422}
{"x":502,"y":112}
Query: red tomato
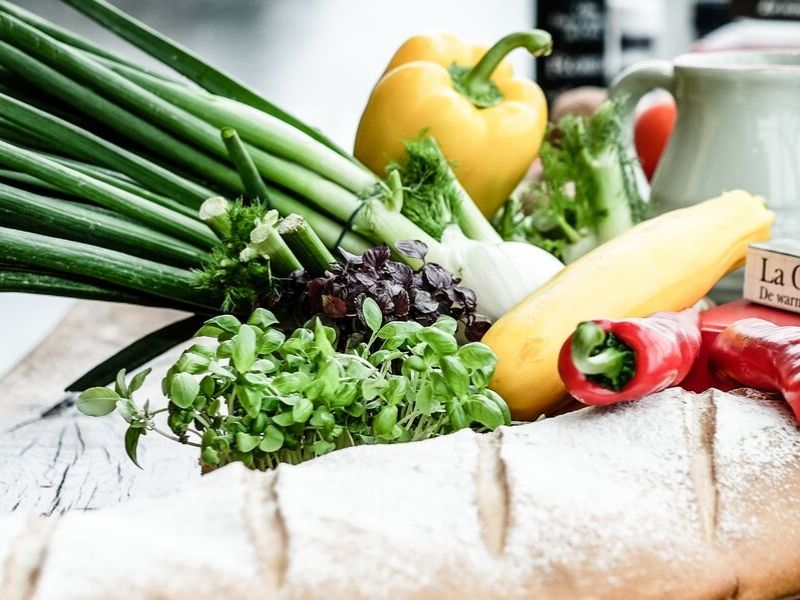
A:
{"x":651,"y":134}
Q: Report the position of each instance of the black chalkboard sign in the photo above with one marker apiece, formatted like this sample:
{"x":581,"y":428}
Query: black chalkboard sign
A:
{"x":578,"y":29}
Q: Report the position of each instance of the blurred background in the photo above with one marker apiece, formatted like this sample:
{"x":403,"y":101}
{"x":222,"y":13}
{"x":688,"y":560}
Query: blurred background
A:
{"x":322,"y":57}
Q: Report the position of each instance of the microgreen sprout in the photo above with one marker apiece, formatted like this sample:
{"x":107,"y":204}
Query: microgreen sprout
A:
{"x":261,"y":397}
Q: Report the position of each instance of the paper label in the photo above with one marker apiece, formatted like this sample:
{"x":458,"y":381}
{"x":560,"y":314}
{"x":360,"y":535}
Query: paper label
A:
{"x":772,"y":277}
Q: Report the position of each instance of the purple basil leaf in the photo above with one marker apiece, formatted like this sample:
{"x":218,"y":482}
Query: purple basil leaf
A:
{"x":350,"y":259}
{"x":400,"y":273}
{"x":402,"y":303}
{"x":477,"y":328}
{"x":376,"y":257}
{"x":367,"y":280}
{"x":334,"y":307}
{"x":436,"y":276}
{"x":412,"y":249}
{"x":423,"y":302}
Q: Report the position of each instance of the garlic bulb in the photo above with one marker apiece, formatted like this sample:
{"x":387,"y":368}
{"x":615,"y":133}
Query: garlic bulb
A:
{"x":501,"y":274}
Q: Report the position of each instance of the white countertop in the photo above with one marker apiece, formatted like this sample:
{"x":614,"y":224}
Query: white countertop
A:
{"x":25,"y":320}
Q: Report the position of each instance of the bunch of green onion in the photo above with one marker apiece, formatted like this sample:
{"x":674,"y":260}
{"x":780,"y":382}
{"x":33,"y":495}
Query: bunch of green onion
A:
{"x":116,"y":182}
{"x":104,"y":167}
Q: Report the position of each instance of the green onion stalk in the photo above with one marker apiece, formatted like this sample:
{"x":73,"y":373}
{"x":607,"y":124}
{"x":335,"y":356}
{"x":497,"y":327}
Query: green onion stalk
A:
{"x":175,"y":175}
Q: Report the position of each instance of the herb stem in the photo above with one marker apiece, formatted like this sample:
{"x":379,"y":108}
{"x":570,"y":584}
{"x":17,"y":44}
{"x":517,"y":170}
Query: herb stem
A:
{"x":175,"y":438}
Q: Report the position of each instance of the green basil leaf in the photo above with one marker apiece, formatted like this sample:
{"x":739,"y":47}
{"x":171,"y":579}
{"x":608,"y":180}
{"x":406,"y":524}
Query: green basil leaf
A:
{"x":119,"y":384}
{"x":190,"y":362}
{"x":249,"y":398}
{"x":208,"y":386}
{"x":243,"y":353}
{"x":138,"y":380}
{"x":256,"y":380}
{"x":373,"y":317}
{"x":415,"y":363}
{"x":132,"y":436}
{"x":372,"y":388}
{"x":423,"y":400}
{"x":127,"y":409}
{"x":208,"y":331}
{"x":355,"y":409}
{"x":458,"y":418}
{"x":97,"y":401}
{"x":481,"y":377}
{"x":246,"y":442}
{"x":302,"y":410}
{"x":209,"y":456}
{"x":284,"y":419}
{"x":225,"y":349}
{"x":290,"y":383}
{"x":382,"y":356}
{"x":321,"y":447}
{"x":446,"y":324}
{"x":344,"y":394}
{"x":273,"y":440}
{"x":263,"y":365}
{"x":456,"y":376}
{"x":322,"y":336}
{"x":183,"y":389}
{"x":357,"y":370}
{"x":501,"y":404}
{"x":396,"y":390}
{"x":441,"y":342}
{"x":262,"y":318}
{"x":302,"y":334}
{"x":385,"y":421}
{"x":222,"y":372}
{"x":477,"y":356}
{"x":484,"y":411}
{"x":227,"y":323}
{"x":329,"y":375}
{"x":323,"y":418}
{"x":202,"y":350}
{"x":399,"y":329}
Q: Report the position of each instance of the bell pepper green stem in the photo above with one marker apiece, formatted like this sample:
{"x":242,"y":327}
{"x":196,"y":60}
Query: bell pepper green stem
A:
{"x":477,"y":83}
{"x":592,"y":355}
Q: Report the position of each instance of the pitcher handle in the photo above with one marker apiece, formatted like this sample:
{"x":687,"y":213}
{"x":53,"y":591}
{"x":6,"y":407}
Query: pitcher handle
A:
{"x":628,"y":88}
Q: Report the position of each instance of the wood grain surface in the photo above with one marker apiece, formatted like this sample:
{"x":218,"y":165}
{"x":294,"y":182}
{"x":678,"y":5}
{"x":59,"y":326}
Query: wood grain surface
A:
{"x":54,"y":459}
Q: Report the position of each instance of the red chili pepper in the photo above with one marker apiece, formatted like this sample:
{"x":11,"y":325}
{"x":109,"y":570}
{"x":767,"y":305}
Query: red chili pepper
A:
{"x":761,"y":355}
{"x":607,"y":361}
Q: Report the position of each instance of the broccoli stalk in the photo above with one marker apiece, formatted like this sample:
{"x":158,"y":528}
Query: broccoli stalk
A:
{"x":589,"y":193}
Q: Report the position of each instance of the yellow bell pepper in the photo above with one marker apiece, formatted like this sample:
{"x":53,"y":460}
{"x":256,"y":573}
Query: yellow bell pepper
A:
{"x":489,"y":123}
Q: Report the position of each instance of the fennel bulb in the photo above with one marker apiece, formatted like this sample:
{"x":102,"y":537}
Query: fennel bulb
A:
{"x":500,"y":273}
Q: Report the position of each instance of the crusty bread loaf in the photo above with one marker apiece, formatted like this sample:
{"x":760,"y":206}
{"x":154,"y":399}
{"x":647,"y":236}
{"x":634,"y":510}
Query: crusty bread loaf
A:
{"x":676,"y":496}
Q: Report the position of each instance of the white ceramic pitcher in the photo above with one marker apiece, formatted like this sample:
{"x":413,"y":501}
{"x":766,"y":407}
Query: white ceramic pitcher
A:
{"x":738,"y":126}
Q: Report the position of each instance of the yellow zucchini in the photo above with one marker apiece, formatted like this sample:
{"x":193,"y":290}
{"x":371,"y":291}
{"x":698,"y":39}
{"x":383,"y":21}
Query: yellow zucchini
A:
{"x":666,"y":263}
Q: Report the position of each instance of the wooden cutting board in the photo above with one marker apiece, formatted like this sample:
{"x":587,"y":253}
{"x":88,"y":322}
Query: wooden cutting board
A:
{"x":54,"y":459}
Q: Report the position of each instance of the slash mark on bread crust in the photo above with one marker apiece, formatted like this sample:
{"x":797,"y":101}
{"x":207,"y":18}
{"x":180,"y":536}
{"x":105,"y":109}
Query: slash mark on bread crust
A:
{"x":492,"y":491}
{"x":700,"y":428}
{"x":25,"y":563}
{"x":267,"y":528}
